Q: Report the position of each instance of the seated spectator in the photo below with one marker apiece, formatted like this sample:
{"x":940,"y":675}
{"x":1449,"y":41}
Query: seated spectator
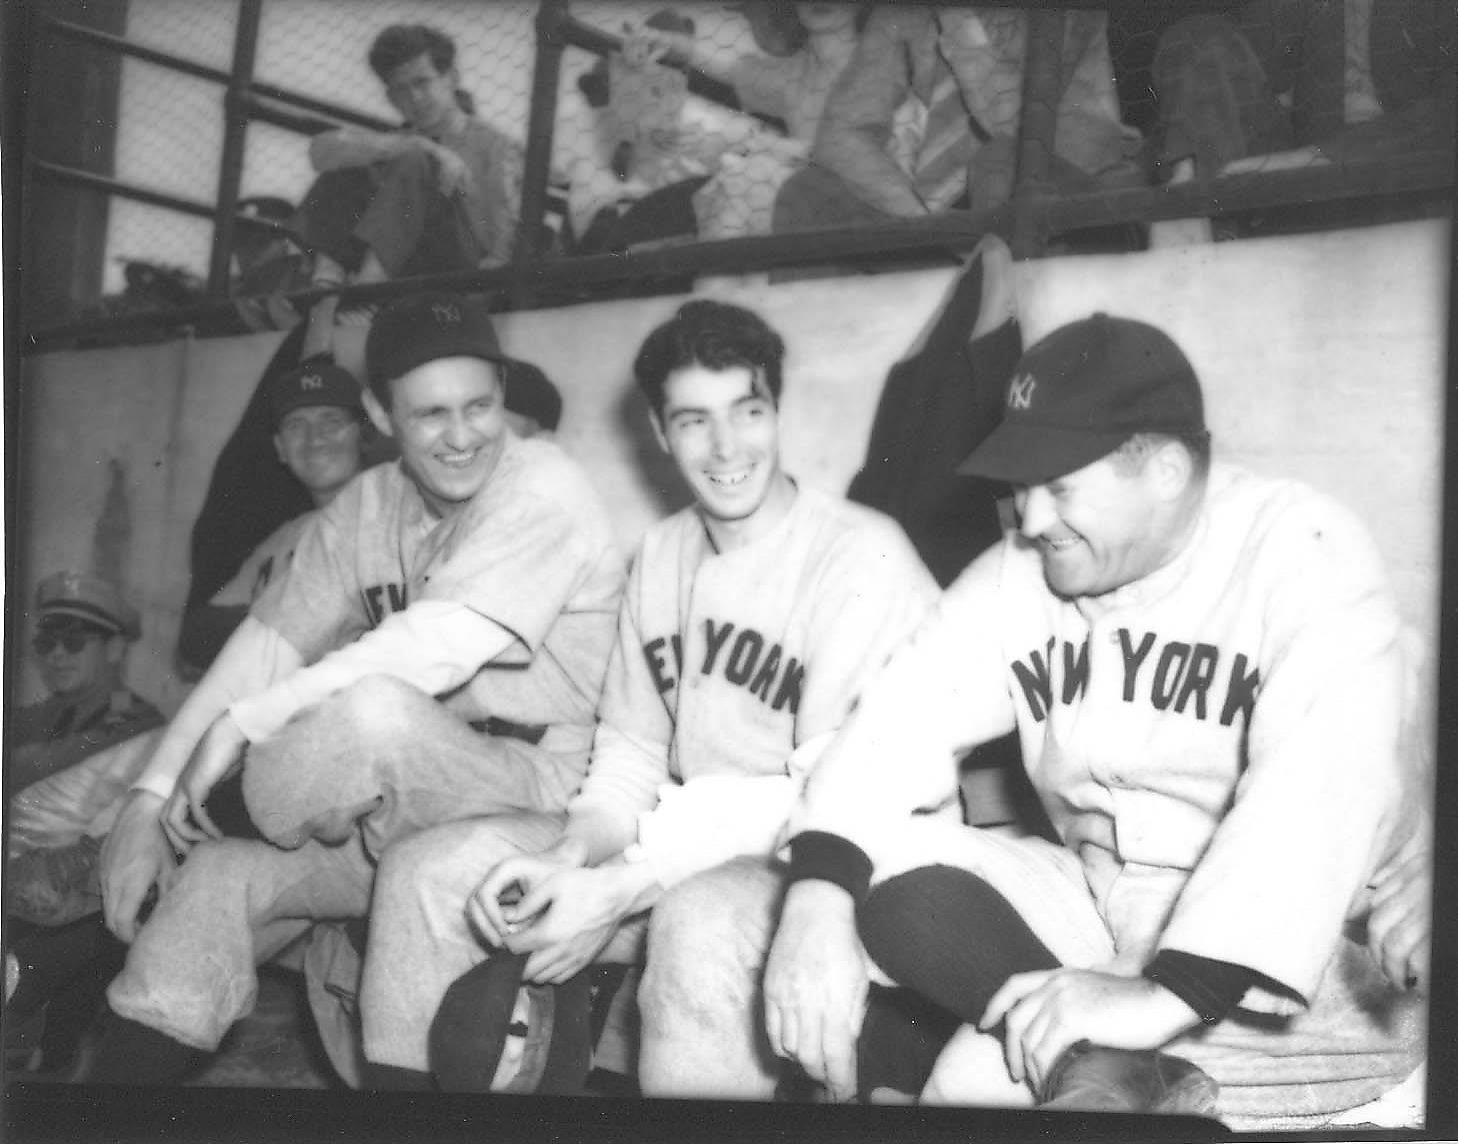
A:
{"x":268,"y":263}
{"x":1231,"y":98}
{"x":790,"y":84}
{"x":442,"y":193}
{"x":963,"y":69}
{"x":785,"y":596}
{"x":319,"y":422}
{"x":83,"y":627}
{"x":651,"y":157}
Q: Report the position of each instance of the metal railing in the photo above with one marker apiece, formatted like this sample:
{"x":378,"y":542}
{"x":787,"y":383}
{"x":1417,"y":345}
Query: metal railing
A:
{"x":1030,"y":218}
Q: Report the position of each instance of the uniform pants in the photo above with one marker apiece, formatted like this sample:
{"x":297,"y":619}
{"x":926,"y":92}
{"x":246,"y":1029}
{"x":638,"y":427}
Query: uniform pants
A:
{"x":702,"y":1001}
{"x":331,"y":791}
{"x":419,"y":939}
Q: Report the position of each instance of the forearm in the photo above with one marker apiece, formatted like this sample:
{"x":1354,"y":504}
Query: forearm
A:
{"x":252,"y":659}
{"x":433,"y":645}
{"x":593,"y":836}
{"x":355,"y":147}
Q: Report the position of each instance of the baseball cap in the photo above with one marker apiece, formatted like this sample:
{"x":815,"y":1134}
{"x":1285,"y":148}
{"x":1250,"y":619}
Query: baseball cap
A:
{"x":82,"y":596}
{"x":1080,"y":393}
{"x":495,"y":1032}
{"x":423,"y":327}
{"x":530,"y":393}
{"x":315,"y":383}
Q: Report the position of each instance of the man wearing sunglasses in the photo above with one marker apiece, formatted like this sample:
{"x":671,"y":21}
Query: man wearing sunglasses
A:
{"x":82,"y":632}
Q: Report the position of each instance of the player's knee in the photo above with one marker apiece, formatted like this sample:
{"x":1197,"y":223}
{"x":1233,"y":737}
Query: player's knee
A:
{"x":703,"y":952}
{"x":376,"y":707}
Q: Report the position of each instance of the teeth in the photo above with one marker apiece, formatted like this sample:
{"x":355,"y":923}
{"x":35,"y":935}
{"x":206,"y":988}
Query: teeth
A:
{"x":729,"y":480}
{"x":1060,"y":545}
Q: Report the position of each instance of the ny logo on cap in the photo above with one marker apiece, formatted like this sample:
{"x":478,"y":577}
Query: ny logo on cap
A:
{"x":446,"y":313}
{"x":1020,"y":391}
{"x":311,"y":381}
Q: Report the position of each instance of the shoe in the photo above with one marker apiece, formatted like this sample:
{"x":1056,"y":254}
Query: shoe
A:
{"x":1091,"y":1078}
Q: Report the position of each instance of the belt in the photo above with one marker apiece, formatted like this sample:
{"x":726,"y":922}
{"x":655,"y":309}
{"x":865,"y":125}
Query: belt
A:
{"x":504,"y":728}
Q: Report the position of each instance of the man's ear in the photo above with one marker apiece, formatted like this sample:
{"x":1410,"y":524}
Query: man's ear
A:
{"x":378,"y":415}
{"x":656,"y":420}
{"x":278,"y":449}
{"x":1173,"y":469}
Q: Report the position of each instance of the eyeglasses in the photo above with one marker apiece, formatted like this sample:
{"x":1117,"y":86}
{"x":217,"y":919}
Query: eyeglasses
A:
{"x":72,"y":641}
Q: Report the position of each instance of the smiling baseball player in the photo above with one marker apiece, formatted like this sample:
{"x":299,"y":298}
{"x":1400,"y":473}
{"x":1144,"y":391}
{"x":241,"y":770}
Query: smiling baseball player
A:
{"x":1203,"y":667}
{"x":434,"y":651}
{"x":750,"y":620}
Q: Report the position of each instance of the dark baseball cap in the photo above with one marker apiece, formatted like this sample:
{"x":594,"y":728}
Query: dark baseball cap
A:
{"x":495,"y":1032}
{"x":530,"y":393}
{"x":423,"y":327}
{"x":64,"y":597}
{"x":315,"y":383}
{"x":1080,"y":393}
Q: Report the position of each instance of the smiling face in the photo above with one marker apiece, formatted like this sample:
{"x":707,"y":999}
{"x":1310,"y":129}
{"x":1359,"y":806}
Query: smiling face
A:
{"x":94,"y":666}
{"x":425,"y":97}
{"x":449,"y":420}
{"x":1105,"y":525}
{"x":722,"y":430}
{"x":319,"y":444}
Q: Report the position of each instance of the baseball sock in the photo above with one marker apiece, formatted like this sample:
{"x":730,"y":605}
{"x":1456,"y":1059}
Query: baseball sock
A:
{"x":393,"y":1078}
{"x":947,"y":935}
{"x":128,"y":1052}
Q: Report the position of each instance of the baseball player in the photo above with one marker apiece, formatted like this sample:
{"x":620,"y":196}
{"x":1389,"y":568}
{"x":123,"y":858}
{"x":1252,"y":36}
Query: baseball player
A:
{"x":751,"y":618}
{"x":434,"y":651}
{"x":1203,"y":669}
{"x":318,"y":420}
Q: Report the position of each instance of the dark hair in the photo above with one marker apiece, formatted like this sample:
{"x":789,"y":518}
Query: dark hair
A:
{"x":714,"y":335}
{"x":400,"y":43}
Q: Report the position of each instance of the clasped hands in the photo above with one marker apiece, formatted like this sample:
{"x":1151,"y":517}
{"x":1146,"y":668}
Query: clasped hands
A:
{"x":557,"y":911}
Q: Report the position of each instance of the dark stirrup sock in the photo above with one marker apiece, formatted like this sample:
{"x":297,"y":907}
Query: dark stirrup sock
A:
{"x":51,"y":958}
{"x":948,"y":935}
{"x":393,"y":1078}
{"x":128,"y":1052}
{"x":900,"y":1040}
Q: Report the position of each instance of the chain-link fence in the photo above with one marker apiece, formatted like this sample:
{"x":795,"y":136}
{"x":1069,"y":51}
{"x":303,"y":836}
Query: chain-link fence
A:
{"x":640,"y":126}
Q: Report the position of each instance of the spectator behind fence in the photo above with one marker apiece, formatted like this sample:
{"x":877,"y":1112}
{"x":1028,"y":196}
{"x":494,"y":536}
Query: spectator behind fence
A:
{"x":788,"y":83}
{"x":1231,"y":98}
{"x":318,"y":425}
{"x":963,"y":69}
{"x":442,"y":193}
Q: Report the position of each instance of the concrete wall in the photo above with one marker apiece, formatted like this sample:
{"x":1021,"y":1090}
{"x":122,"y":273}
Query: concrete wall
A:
{"x":1322,"y":357}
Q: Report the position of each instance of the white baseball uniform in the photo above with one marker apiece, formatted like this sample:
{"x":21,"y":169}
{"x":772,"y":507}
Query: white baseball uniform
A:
{"x":726,"y":666}
{"x":1216,"y":746}
{"x":370,"y":603}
